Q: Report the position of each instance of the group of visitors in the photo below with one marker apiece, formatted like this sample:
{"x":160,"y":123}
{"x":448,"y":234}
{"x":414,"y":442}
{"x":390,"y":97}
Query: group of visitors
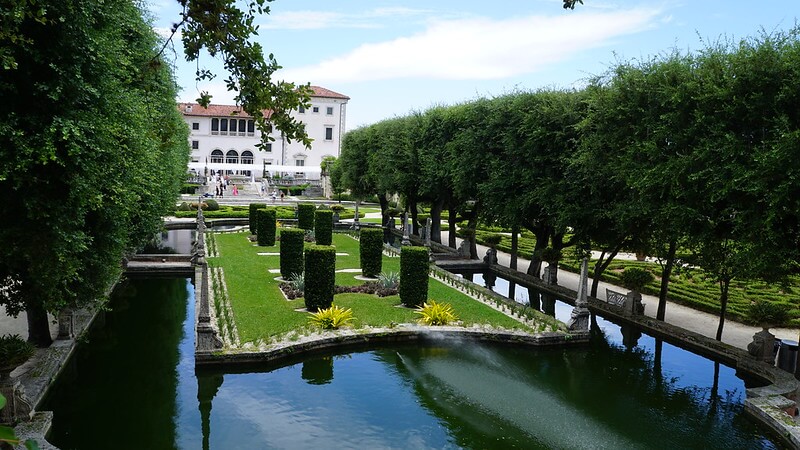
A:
{"x":221,"y":183}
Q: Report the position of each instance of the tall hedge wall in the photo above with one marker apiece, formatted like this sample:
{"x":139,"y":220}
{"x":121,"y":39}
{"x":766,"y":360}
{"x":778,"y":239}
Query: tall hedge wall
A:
{"x":371,"y":251}
{"x":292,"y":242}
{"x":320,"y":277}
{"x":305,"y":216}
{"x":413,"y":276}
{"x":253,"y":218}
{"x":323,"y":226}
{"x":265,"y":219}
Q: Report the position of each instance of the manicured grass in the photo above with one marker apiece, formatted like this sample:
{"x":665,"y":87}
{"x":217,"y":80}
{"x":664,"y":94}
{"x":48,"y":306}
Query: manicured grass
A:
{"x":262,"y":312}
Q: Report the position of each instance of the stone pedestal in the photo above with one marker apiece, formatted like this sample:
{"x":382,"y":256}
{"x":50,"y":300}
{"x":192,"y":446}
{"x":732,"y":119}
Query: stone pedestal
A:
{"x":579,"y":319}
{"x":762,"y":346}
{"x":427,"y":231}
{"x":633,"y":304}
{"x":17,"y":407}
{"x":66,"y":324}
{"x":406,"y":238}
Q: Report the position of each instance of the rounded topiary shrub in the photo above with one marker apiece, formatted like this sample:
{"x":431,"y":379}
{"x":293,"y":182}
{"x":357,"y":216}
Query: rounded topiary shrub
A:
{"x":635,"y":278}
{"x":320,"y":276}
{"x":371,"y":251}
{"x":292,"y":242}
{"x":253,"y":208}
{"x":414,"y":268}
{"x":265,"y":219}
{"x":211,"y":205}
{"x":323,"y":226}
{"x":305,"y":216}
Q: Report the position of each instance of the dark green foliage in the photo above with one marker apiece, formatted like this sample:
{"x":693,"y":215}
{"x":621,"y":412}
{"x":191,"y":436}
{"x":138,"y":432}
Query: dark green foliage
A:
{"x":265,"y":219}
{"x":189,"y":189}
{"x":305,"y":216}
{"x":414,"y":268}
{"x":252,"y":216}
{"x":492,"y":240}
{"x":765,"y":313}
{"x":14,"y":350}
{"x":320,"y":276}
{"x":635,"y":278}
{"x":211,"y":205}
{"x":323,"y":226}
{"x":292,"y":243}
{"x":371,"y":250}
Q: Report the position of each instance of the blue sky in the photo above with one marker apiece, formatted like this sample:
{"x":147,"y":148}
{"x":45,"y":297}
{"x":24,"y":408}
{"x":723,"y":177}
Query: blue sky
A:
{"x":394,"y":57}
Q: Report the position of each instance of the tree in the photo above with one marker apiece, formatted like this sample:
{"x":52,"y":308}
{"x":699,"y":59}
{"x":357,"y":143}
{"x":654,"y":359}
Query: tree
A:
{"x":94,"y":153}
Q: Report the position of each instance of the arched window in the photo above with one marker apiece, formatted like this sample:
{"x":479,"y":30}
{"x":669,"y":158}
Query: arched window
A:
{"x":232,"y":157}
{"x":216,"y":156}
{"x":247,"y":157}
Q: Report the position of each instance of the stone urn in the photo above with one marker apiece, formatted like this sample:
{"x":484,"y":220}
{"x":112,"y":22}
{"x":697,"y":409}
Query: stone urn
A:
{"x":14,"y":351}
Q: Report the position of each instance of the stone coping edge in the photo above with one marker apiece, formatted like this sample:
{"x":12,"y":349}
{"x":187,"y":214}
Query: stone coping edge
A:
{"x":348,"y":339}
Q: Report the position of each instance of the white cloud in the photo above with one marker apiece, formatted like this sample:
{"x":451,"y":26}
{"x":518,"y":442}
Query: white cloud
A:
{"x":220,"y":95}
{"x":312,"y":20}
{"x":479,"y":48}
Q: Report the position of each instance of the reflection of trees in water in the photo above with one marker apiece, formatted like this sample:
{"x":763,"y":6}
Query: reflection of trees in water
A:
{"x":131,"y":357}
{"x":622,"y":387}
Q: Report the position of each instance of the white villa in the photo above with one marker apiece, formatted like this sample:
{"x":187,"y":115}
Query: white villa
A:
{"x":223,"y":138}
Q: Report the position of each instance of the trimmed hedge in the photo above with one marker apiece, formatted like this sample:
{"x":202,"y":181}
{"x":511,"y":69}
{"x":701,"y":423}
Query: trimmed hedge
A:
{"x":323,"y":226}
{"x":371,"y":251}
{"x":414,"y":267}
{"x":292,"y":242}
{"x":253,"y":208}
{"x":305,"y":216}
{"x":320,"y":276}
{"x":265,"y":220}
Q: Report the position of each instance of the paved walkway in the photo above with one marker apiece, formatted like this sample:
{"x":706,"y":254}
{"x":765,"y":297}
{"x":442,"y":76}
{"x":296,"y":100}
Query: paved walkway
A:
{"x":734,"y":333}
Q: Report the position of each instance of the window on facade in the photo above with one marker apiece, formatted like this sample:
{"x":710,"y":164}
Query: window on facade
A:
{"x":195,"y":125}
{"x":223,"y":126}
{"x":299,"y":162}
{"x":251,"y":127}
{"x":215,"y":126}
{"x":329,"y":111}
{"x":301,"y":109}
{"x":328,"y":133}
{"x":242,"y":126}
{"x":268,"y":147}
{"x":247,"y":157}
{"x":195,"y":145}
{"x":315,"y":109}
{"x":232,"y":157}
{"x":216,"y":156}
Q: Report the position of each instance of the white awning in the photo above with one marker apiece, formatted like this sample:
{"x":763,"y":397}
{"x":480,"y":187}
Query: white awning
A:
{"x":200,"y":166}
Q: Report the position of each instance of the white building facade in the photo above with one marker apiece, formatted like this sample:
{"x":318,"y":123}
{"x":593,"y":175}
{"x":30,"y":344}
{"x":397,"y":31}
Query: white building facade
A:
{"x":223,"y":139}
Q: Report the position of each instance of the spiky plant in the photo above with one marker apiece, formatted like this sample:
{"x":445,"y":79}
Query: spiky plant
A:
{"x":436,"y":313}
{"x":331,"y":318}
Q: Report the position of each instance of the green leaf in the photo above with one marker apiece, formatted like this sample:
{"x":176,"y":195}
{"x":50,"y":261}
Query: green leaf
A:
{"x":30,"y":444}
{"x":2,"y":401}
{"x":7,"y":434}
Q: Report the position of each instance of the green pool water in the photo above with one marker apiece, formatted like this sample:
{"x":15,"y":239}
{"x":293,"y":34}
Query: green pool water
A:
{"x":132,"y":385}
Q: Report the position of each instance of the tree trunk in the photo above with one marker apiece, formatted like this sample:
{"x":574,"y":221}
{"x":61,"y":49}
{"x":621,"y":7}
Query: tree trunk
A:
{"x":514,"y":245}
{"x":385,"y":218}
{"x":665,"y":274}
{"x":724,"y":284}
{"x":38,"y":326}
{"x":600,"y":266}
{"x":451,"y":222}
{"x":436,"y":221}
{"x":412,"y":204}
{"x":473,"y":245}
{"x":542,"y":234}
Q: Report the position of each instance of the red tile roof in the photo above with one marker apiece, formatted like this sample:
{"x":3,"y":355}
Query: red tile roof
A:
{"x":193,"y":109}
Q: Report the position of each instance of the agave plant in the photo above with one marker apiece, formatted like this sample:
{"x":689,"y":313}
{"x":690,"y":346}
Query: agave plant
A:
{"x":331,"y":318}
{"x":389,"y":280}
{"x":297,"y":281}
{"x":14,"y":351}
{"x":436,"y":313}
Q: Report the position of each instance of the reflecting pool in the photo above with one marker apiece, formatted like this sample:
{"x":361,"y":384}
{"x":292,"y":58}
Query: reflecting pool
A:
{"x":133,"y":385}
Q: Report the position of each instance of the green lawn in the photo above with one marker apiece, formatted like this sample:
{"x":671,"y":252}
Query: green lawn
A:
{"x":262,"y":313}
